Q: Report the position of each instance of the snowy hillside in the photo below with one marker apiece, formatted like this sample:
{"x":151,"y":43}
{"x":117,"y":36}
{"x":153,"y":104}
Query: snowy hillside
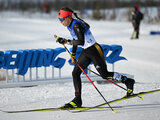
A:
{"x":143,"y":62}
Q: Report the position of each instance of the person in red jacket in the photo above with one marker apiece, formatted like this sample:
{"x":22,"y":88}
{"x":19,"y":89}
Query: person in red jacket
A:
{"x":137,"y":16}
{"x":46,"y":7}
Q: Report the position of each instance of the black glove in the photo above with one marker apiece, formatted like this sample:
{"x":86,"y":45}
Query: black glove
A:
{"x":61,"y":40}
{"x":73,"y":58}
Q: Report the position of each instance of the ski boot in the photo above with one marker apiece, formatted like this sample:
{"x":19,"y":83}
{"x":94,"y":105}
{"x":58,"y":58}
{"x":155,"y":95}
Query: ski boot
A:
{"x":129,"y":84}
{"x":76,"y":102}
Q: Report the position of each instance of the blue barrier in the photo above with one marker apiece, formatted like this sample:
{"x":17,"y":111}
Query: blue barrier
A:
{"x":112,"y":58}
{"x":155,"y":33}
{"x":24,"y":59}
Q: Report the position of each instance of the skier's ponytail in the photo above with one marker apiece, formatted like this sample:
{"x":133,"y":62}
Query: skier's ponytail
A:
{"x":75,"y":14}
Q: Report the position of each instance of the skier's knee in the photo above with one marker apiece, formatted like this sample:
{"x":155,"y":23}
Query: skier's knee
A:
{"x":75,"y":73}
{"x":104,"y":76}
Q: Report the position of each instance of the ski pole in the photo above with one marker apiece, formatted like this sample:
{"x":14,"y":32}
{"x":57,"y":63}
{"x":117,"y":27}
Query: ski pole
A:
{"x":114,"y":111}
{"x":101,"y":76}
{"x":108,"y":80}
{"x":113,"y":83}
{"x":91,"y":70}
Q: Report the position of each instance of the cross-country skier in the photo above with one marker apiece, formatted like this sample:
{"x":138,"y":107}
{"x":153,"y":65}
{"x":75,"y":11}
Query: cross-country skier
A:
{"x":137,"y":16}
{"x":92,"y":52}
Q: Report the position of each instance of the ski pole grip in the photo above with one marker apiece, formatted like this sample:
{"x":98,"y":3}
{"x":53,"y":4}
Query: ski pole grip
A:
{"x":56,"y":36}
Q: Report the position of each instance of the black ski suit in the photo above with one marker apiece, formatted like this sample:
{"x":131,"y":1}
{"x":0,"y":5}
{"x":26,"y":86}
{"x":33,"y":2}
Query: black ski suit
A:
{"x":93,"y":54}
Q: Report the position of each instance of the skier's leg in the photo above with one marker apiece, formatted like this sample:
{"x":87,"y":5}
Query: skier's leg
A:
{"x":101,"y":67}
{"x":97,"y":57}
{"x":83,"y":62}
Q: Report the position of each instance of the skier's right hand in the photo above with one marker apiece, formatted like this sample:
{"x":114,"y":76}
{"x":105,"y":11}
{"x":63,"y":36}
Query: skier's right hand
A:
{"x":61,"y":40}
{"x":73,"y":58}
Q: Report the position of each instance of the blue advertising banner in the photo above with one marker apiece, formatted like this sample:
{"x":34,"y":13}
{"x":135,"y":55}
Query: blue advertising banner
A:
{"x":24,"y":59}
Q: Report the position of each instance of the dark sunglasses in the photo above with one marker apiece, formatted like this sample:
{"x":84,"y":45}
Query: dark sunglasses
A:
{"x":61,"y":19}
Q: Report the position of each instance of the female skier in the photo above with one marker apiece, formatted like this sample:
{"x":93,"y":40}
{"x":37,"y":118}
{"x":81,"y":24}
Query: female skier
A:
{"x":92,"y":52}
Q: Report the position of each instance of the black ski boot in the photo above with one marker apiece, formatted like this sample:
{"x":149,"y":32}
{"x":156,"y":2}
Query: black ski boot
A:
{"x":76,"y":102}
{"x":129,"y":83}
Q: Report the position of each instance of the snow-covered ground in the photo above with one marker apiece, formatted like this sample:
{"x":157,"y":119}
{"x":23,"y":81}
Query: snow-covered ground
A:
{"x":143,"y":62}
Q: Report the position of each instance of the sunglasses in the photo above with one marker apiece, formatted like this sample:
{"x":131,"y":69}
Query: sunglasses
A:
{"x":61,"y":19}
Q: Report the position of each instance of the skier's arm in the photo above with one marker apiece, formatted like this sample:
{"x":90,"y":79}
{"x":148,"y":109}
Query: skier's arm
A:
{"x":74,"y":49}
{"x":79,"y":31}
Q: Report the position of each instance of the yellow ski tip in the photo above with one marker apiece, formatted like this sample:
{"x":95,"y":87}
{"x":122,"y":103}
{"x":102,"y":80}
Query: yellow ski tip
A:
{"x":56,"y":36}
{"x":142,"y":98}
{"x":114,"y":111}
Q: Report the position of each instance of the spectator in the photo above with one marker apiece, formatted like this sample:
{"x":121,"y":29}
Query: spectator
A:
{"x":46,"y":7}
{"x":137,"y":16}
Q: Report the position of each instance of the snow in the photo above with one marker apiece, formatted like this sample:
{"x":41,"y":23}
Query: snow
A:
{"x":143,"y":62}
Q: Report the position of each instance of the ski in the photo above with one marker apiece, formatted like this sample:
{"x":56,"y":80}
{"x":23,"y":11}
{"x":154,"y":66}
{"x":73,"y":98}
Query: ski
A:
{"x":55,"y":109}
{"x":117,"y":100}
{"x":81,"y":109}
